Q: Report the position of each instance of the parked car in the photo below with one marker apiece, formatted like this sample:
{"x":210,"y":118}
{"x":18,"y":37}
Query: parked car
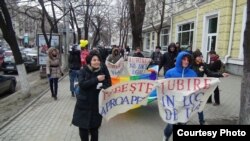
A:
{"x":8,"y":53}
{"x":1,"y":57}
{"x":10,"y":66}
{"x":7,"y":84}
{"x":32,"y":53}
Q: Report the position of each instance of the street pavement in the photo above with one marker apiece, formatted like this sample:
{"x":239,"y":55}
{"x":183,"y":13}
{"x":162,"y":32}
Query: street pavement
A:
{"x":49,"y":120}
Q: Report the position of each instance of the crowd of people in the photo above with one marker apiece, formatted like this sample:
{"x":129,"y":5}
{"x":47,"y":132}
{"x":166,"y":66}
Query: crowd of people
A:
{"x":89,"y":70}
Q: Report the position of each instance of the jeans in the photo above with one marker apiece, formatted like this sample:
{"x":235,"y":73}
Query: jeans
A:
{"x":84,"y":134}
{"x":201,"y":118}
{"x":169,"y":130}
{"x":73,"y":77}
{"x":216,"y":96}
{"x":53,"y":83}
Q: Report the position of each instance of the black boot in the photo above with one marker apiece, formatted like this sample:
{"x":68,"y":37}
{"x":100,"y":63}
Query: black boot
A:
{"x":72,"y":93}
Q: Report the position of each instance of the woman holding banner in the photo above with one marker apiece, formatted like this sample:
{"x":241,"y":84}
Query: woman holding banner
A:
{"x":181,"y":69}
{"x":201,"y":68}
{"x":86,"y":115}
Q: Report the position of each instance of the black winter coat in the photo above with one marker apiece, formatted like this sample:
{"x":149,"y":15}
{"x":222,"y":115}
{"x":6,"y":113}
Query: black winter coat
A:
{"x":75,"y":60}
{"x":139,"y":54}
{"x":168,"y":60}
{"x":86,"y":114}
{"x":216,"y":66}
{"x":202,"y":69}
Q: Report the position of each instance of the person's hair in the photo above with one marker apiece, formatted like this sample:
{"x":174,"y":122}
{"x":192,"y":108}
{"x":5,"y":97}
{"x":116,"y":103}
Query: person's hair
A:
{"x":189,"y":58}
{"x":158,"y":47}
{"x":172,"y":45}
{"x":212,"y":52}
{"x":197,"y":53}
{"x":94,"y":52}
{"x":177,"y":43}
{"x":91,"y":55}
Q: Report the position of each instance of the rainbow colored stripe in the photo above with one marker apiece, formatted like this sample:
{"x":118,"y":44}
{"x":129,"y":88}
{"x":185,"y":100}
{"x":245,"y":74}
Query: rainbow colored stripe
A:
{"x":148,"y":76}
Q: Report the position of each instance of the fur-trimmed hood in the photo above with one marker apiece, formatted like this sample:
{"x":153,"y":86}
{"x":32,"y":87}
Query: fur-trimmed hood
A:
{"x":50,"y":50}
{"x":114,"y":50}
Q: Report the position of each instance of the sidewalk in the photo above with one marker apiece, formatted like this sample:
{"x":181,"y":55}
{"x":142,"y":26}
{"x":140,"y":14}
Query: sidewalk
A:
{"x":49,"y":120}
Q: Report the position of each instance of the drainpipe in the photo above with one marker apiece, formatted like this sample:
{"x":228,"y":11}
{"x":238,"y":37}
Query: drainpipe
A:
{"x":171,"y":28}
{"x":196,"y":24}
{"x":230,"y":44}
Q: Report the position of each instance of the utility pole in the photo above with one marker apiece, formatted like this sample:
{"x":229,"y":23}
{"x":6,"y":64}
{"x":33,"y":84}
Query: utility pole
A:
{"x":65,"y":33}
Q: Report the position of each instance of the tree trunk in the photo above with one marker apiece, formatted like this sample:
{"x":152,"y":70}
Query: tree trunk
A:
{"x":244,"y":118}
{"x":55,"y":30}
{"x":86,"y":21}
{"x":137,"y":13}
{"x":126,"y":38}
{"x":79,"y":35}
{"x":72,"y":25}
{"x":10,"y":37}
{"x":158,"y":38}
{"x":120,"y":33}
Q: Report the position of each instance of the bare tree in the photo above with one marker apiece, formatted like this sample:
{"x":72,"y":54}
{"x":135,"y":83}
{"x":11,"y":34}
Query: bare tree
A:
{"x":100,"y":23}
{"x":10,"y":37}
{"x":53,"y":21}
{"x":74,"y":23}
{"x":245,"y":85}
{"x":157,"y":9}
{"x":97,"y":26}
{"x":123,"y":22}
{"x":137,"y":13}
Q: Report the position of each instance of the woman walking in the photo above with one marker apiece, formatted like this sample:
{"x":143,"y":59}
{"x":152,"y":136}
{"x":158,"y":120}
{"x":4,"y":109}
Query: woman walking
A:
{"x":53,"y":70}
{"x":93,"y":77}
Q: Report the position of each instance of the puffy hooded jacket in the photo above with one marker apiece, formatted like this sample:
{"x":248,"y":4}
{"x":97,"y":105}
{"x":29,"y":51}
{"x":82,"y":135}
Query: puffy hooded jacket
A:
{"x":168,"y":58}
{"x":115,"y":56}
{"x":178,"y":70}
{"x":53,"y":66}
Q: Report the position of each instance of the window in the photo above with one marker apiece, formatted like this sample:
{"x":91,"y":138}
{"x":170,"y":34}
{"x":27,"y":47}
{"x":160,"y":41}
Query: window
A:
{"x":164,"y":39}
{"x":185,"y":34}
{"x":147,"y":41}
{"x":153,"y":41}
{"x":212,"y":27}
{"x":153,"y":36}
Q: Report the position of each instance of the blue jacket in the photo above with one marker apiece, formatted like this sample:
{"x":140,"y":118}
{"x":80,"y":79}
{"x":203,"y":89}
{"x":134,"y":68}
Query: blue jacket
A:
{"x":178,"y":70}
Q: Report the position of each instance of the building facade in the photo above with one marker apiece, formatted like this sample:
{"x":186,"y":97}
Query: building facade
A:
{"x":206,"y":25}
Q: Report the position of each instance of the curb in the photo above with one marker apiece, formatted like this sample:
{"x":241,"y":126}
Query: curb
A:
{"x":28,"y":105}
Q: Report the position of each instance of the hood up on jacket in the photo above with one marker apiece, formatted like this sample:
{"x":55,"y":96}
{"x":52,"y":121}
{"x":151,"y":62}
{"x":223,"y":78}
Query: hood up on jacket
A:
{"x":179,"y":58}
{"x":50,"y":50}
{"x":114,"y":50}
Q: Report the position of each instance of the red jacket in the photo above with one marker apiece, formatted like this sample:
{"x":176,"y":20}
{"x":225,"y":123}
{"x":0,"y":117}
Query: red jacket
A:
{"x":84,"y":54}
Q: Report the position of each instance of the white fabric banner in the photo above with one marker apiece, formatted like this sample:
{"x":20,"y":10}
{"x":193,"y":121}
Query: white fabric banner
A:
{"x":180,"y":98}
{"x":124,"y":96}
{"x":137,"y":65}
{"x":116,"y":69}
